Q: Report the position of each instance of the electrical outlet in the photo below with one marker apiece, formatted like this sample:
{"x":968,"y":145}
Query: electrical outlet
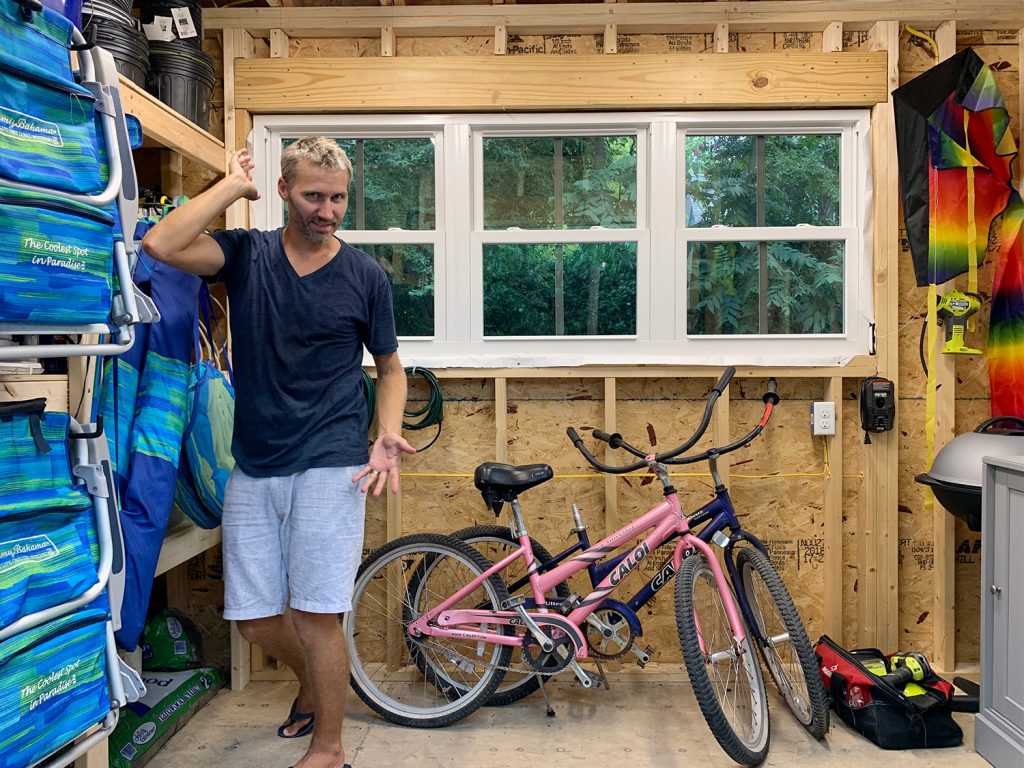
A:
{"x":823,"y":418}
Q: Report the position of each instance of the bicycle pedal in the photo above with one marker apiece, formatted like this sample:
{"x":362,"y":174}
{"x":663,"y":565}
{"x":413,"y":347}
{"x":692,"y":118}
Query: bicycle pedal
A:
{"x":643,"y":655}
{"x":587,"y":679}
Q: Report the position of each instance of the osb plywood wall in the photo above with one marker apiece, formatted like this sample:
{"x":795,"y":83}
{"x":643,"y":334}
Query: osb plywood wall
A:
{"x":777,"y":482}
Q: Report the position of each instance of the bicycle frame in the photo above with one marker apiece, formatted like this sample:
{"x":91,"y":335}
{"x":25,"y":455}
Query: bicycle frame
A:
{"x":717,"y":515}
{"x":666,"y":521}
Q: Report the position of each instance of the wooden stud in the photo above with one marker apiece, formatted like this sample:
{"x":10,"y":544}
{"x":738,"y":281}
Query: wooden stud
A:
{"x":240,"y":660}
{"x":722,"y":38}
{"x":97,"y":757}
{"x":396,"y":84}
{"x":720,"y":428}
{"x":943,"y":612}
{"x":177,"y":587}
{"x":500,"y":40}
{"x":1020,"y":98}
{"x":833,"y":513}
{"x":611,"y":38}
{"x":945,"y":39}
{"x":879,"y":578}
{"x":171,"y":174}
{"x":832,"y":37}
{"x":500,"y":419}
{"x":279,"y":42}
{"x":387,"y":40}
{"x":611,"y":484}
{"x":238,"y":45}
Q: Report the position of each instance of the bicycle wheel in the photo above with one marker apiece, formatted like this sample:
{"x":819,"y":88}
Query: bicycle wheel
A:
{"x":785,"y":648}
{"x":428,"y":681}
{"x":726,"y":678}
{"x":495,"y":542}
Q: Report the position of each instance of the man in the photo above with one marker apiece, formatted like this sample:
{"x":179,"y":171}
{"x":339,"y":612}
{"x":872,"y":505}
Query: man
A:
{"x":303,"y":305}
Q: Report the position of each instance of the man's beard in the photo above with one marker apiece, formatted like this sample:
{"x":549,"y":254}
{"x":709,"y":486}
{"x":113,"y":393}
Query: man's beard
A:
{"x":312,"y":234}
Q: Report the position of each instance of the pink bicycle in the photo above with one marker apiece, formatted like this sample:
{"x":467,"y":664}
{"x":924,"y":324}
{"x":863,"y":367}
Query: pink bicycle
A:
{"x":433,"y":628}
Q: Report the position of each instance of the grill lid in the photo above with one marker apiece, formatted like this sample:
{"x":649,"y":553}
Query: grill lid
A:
{"x":959,"y":461}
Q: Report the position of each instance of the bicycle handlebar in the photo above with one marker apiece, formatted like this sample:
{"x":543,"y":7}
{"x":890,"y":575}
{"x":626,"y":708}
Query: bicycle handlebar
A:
{"x":770,"y":398}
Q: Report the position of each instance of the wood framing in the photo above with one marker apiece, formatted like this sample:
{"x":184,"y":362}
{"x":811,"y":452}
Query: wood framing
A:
{"x":629,"y":18}
{"x":878,"y":577}
{"x":427,"y":83}
{"x":944,"y":596}
{"x":167,"y":128}
{"x":833,"y":509}
{"x":238,"y":46}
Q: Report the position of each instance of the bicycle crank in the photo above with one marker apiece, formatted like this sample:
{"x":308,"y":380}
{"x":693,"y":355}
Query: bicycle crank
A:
{"x":548,"y":662}
{"x":609,"y":634}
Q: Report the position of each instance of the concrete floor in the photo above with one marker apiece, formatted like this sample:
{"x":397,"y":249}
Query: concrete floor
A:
{"x":644,"y":719}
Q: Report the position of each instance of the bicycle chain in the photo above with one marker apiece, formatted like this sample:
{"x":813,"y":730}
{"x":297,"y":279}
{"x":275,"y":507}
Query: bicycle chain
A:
{"x":523,"y":670}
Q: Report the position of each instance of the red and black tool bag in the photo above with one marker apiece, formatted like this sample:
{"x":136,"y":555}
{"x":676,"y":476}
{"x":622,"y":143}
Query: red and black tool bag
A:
{"x":882,"y":712}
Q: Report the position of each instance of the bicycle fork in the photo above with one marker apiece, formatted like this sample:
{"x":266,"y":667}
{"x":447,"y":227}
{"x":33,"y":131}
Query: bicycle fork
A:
{"x":736,"y":623}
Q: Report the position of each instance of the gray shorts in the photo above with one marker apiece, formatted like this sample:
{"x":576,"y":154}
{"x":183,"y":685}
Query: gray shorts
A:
{"x":291,"y":541}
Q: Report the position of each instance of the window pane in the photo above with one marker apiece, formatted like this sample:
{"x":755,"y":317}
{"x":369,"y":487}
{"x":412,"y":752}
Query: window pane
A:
{"x":567,"y":182}
{"x":563,"y":289}
{"x":802,"y":179}
{"x":765,"y":288}
{"x":757,"y":181}
{"x":411,"y":270}
{"x":392,"y":183}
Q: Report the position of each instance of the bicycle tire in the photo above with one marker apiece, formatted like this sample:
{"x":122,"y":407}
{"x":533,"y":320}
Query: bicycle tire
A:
{"x":731,"y":696}
{"x":516,"y":685}
{"x":384,"y":672}
{"x":795,"y":671}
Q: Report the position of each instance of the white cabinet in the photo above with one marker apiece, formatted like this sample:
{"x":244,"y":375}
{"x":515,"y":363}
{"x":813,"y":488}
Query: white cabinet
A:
{"x":999,"y":727}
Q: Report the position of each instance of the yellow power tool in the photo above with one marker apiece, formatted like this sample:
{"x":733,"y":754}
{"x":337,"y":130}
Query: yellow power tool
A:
{"x":953,"y":310}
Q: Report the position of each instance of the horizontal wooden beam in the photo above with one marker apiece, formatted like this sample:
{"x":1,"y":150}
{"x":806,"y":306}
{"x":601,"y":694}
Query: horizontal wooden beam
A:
{"x":630,"y":18}
{"x":857,"y":368}
{"x":670,"y":81}
{"x":167,"y":128}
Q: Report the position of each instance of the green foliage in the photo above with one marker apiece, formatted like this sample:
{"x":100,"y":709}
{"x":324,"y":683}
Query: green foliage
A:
{"x":804,"y":287}
{"x":599,"y":286}
{"x":766,"y":181}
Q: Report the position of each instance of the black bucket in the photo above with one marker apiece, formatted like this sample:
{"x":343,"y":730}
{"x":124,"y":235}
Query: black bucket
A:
{"x":128,"y":46}
{"x":108,"y":12}
{"x":182,"y":78}
{"x":152,"y":8}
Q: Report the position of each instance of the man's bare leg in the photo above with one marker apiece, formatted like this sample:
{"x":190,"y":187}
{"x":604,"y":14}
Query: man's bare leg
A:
{"x":276,"y":635}
{"x":326,"y":664}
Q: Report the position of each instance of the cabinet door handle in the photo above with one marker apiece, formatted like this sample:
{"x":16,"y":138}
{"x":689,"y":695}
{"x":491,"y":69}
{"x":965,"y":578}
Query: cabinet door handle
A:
{"x":995,"y":590}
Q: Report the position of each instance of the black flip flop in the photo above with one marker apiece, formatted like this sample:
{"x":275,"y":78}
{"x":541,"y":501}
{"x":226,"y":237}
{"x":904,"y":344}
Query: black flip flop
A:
{"x":294,"y":717}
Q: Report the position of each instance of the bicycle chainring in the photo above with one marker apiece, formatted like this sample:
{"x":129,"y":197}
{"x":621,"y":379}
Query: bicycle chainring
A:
{"x":621,"y":639}
{"x":548,"y":662}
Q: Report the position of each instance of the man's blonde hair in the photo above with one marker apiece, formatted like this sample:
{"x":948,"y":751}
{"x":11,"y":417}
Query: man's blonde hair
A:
{"x":321,"y":151}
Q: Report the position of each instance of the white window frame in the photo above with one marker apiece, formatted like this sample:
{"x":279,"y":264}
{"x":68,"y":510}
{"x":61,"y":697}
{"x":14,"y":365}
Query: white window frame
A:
{"x":661,"y":336}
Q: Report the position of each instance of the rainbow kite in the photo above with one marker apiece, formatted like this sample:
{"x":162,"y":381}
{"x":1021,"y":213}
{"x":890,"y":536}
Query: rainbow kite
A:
{"x":955,"y":150}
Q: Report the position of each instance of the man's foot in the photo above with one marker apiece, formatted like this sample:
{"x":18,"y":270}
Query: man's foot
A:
{"x":298,"y":723}
{"x":322,"y":760}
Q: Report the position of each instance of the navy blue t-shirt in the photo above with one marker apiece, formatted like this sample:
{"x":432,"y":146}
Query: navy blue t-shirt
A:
{"x":297,"y":351}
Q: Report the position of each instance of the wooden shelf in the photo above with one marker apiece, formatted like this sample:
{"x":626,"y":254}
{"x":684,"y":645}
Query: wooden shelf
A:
{"x":184,"y":543}
{"x":167,"y":128}
{"x":54,"y":387}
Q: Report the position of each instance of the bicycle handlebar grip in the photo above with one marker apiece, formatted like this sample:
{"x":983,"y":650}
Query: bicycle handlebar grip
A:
{"x":614,"y":440}
{"x":574,"y":436}
{"x":724,"y":380}
{"x":772,"y":394}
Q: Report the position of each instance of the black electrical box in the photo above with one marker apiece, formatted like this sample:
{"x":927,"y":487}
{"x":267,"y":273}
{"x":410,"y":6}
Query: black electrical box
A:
{"x":877,"y":404}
